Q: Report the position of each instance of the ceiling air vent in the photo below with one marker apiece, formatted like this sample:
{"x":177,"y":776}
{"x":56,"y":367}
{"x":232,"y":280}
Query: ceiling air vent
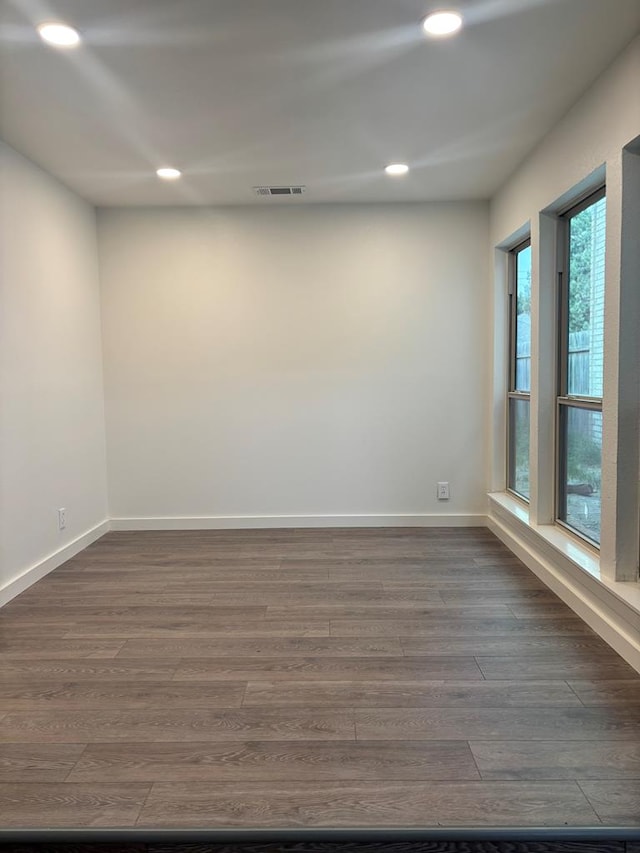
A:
{"x":266,"y":191}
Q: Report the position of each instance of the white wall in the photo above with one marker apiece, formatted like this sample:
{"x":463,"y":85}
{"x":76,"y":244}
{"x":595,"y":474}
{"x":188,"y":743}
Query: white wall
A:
{"x":593,"y":132}
{"x":312,"y":360}
{"x":52,"y":443}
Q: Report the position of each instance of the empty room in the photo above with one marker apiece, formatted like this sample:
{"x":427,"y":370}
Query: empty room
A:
{"x":319,"y":421}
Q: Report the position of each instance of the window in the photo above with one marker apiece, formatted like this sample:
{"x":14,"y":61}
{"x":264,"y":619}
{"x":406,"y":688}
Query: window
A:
{"x":581,"y":337}
{"x":519,"y":370}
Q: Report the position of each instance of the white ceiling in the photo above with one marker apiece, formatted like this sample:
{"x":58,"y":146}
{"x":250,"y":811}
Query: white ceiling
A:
{"x":239,"y":93}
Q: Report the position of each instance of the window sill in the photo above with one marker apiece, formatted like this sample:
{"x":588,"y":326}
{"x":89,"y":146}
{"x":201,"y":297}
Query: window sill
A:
{"x":565,"y":547}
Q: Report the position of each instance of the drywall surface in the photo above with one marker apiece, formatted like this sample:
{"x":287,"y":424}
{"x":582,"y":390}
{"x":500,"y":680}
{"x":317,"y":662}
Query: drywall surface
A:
{"x":591,"y":134}
{"x":291,"y":361}
{"x":52,"y":442}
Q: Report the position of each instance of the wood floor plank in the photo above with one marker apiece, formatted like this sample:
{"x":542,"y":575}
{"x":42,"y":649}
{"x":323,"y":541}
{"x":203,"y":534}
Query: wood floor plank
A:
{"x":99,"y":613}
{"x":399,"y":613}
{"x":258,"y":554}
{"x":210,"y":582}
{"x":220,"y":593}
{"x":125,"y":560}
{"x":402,"y":574}
{"x":271,"y":761}
{"x":616,"y":801}
{"x":430,"y":536}
{"x":390,"y":804}
{"x":294,"y":550}
{"x":119,"y":695}
{"x":472,"y":596}
{"x":541,"y":610}
{"x":164,"y":574}
{"x":160,"y":628}
{"x":605,"y":666}
{"x":83,"y":670}
{"x":532,"y":723}
{"x":536,"y":760}
{"x":72,"y":591}
{"x":502,"y":646}
{"x":379,"y":553}
{"x":317,"y":597}
{"x":261,"y":647}
{"x":27,"y":648}
{"x":42,"y":762}
{"x":463,"y":627}
{"x":347,"y":668}
{"x":14,"y":629}
{"x":54,"y":583}
{"x":31,"y":804}
{"x":132,"y":599}
{"x":606,"y":692}
{"x":416,"y":554}
{"x":384,"y":564}
{"x":425,"y":694}
{"x":453,"y":582}
{"x":175,"y":725}
{"x":202,"y":583}
{"x":492,"y":560}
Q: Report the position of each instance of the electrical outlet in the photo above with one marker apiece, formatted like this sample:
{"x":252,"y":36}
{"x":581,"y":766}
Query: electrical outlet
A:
{"x":443,"y":491}
{"x":62,"y":518}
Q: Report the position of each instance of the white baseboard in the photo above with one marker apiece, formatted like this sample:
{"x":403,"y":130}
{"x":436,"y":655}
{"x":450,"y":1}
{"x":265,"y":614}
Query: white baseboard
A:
{"x":241,"y":522}
{"x":42,"y":568}
{"x":605,"y":612}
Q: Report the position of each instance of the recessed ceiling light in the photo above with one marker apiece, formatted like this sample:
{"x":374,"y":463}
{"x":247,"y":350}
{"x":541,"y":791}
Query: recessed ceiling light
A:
{"x":442,"y":23}
{"x":168,"y":174}
{"x":397,"y":169}
{"x":61,"y":35}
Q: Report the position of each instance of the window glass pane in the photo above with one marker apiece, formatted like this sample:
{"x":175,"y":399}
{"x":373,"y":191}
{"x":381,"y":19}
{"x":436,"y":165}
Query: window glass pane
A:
{"x":586,"y":300}
{"x":523,"y":320}
{"x":519,"y":446}
{"x":582,"y":450}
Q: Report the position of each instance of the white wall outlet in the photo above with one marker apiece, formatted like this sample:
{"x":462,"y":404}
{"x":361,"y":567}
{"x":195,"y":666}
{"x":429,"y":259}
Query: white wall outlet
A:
{"x":443,"y":491}
{"x":62,"y":518}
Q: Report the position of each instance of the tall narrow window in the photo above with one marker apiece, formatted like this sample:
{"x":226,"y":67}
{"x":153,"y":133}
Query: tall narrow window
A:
{"x":581,"y":352}
{"x":519,"y":370}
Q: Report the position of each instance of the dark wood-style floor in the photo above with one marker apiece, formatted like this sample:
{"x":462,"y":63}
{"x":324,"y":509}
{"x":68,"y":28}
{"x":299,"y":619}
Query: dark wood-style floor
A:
{"x":341,"y":678}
